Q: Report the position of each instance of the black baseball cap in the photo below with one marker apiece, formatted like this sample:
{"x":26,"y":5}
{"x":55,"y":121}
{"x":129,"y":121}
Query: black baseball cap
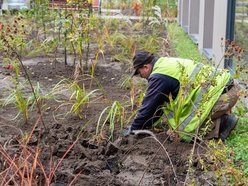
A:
{"x":140,"y":59}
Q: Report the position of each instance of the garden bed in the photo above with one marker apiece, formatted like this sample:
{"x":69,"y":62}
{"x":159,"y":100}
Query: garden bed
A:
{"x":124,"y":161}
{"x":58,"y":143}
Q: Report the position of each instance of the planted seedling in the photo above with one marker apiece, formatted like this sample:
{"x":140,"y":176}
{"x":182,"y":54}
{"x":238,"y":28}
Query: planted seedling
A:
{"x":112,"y":115}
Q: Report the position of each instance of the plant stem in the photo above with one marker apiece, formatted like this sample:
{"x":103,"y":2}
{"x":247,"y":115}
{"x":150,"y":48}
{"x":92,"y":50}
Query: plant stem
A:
{"x":65,"y":35}
{"x":88,"y":34}
{"x":65,"y":50}
{"x":72,"y":45}
{"x":31,"y":86}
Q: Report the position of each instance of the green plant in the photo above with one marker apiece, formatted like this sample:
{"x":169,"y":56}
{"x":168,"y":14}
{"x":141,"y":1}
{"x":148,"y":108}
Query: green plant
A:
{"x":223,"y":156}
{"x":150,"y":43}
{"x":128,"y":46}
{"x":14,"y":48}
{"x":114,"y":114}
{"x":125,"y":82}
{"x":17,"y":98}
{"x":25,"y":102}
{"x":240,"y":109}
{"x":79,"y":98}
{"x":237,"y":142}
{"x":169,"y":7}
{"x":147,"y":9}
{"x":22,"y":105}
{"x":121,"y":57}
{"x":93,"y":66}
{"x":79,"y":34}
{"x":17,"y":70}
{"x":112,"y":39}
{"x":41,"y":48}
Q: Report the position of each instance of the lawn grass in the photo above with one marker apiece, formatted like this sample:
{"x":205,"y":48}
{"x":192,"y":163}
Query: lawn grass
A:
{"x":183,"y":47}
{"x":238,"y":141}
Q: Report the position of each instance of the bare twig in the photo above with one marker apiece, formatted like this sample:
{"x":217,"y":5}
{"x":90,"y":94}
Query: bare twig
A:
{"x":31,"y":86}
{"x":74,"y":179}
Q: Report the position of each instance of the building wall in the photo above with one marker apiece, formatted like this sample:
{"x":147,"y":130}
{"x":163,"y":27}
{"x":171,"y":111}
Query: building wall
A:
{"x":194,"y":16}
{"x":219,"y":32}
{"x":185,"y":14}
{"x":209,"y":26}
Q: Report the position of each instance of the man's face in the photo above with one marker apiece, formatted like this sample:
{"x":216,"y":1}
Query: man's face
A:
{"x":145,"y":71}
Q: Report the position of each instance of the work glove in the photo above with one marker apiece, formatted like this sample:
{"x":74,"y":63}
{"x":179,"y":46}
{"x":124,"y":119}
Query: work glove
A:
{"x":127,"y":131}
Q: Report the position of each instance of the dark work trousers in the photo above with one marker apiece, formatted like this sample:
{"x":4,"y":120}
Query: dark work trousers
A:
{"x":223,"y":106}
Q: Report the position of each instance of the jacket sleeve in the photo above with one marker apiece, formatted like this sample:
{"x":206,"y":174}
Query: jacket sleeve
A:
{"x":159,"y":87}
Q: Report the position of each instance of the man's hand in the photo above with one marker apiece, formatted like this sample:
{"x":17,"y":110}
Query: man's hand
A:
{"x":127,"y":131}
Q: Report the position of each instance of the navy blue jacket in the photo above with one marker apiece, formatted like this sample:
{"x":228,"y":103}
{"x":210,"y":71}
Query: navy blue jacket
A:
{"x":159,"y":88}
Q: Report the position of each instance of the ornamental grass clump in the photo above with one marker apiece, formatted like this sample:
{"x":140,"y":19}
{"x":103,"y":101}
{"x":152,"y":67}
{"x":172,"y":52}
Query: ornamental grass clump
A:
{"x":74,"y":98}
{"x":25,"y":102}
{"x":79,"y":99}
{"x":20,"y":102}
{"x":110,"y":115}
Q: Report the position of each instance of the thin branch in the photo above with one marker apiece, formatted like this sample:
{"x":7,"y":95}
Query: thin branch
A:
{"x":31,"y":85}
